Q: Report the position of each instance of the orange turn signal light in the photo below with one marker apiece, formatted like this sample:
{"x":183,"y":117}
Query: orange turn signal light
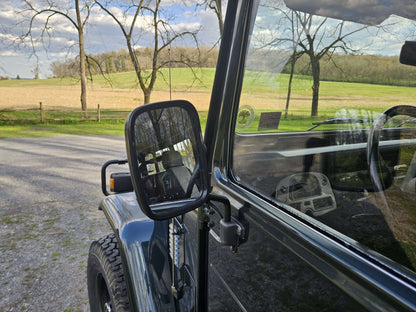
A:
{"x":112,"y":185}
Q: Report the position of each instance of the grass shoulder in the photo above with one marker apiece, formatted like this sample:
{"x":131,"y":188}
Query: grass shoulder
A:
{"x":54,"y":129}
{"x":37,"y":129}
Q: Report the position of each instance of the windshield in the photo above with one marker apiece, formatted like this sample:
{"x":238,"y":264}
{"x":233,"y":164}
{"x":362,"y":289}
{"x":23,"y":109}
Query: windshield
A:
{"x":318,"y":74}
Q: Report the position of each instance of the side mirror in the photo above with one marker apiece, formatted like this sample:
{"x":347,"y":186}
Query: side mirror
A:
{"x":167,"y":158}
{"x":408,"y":53}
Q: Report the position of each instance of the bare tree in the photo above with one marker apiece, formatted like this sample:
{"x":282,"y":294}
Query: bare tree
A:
{"x":311,"y":35}
{"x":163,"y":35}
{"x":294,"y":57}
{"x":317,"y":40}
{"x":286,"y":41}
{"x":49,"y":10}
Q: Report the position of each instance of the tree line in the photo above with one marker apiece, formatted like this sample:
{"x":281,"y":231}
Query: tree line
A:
{"x":375,"y":69}
{"x":120,"y":61}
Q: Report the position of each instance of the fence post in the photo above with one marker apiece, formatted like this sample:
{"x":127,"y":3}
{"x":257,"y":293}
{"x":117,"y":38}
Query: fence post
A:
{"x":42,"y":116}
{"x":98,"y":113}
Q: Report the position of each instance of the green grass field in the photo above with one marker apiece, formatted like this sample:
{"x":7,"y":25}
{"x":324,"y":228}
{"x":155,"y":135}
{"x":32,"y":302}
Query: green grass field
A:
{"x":53,"y":129}
{"x":182,"y":79}
{"x":258,"y":89}
{"x":72,"y":126}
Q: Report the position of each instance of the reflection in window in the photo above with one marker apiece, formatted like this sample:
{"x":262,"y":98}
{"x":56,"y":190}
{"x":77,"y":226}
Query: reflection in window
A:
{"x":314,"y":158}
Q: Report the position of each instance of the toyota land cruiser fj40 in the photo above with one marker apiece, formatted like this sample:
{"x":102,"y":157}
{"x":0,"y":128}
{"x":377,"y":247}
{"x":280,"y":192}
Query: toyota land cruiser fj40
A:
{"x":278,"y":207}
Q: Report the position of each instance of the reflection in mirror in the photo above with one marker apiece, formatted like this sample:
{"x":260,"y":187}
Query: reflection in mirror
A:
{"x":165,"y":147}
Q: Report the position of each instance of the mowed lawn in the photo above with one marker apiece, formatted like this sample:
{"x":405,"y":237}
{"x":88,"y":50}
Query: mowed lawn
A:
{"x":262,"y":91}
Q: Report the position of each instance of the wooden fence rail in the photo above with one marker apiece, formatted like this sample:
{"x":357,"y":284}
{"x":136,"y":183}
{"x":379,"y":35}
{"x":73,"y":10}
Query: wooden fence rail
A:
{"x":43,"y":114}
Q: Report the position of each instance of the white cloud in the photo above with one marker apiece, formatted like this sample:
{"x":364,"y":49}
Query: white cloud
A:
{"x":8,"y":53}
{"x":182,"y":27}
{"x":63,"y":55}
{"x":7,"y":37}
{"x":7,"y":13}
{"x":66,"y":27}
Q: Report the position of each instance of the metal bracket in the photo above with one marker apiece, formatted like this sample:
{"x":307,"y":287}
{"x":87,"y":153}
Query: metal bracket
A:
{"x":231,"y":233}
{"x":231,"y":230}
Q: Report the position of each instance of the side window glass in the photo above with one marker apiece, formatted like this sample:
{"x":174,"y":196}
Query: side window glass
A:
{"x":313,"y":88}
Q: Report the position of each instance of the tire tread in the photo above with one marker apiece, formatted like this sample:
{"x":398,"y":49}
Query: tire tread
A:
{"x":106,"y":251}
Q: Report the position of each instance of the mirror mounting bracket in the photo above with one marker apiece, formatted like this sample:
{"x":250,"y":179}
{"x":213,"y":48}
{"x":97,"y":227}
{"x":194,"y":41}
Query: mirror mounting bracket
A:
{"x":232,"y":232}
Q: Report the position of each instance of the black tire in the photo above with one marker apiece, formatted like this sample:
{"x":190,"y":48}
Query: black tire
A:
{"x":107,"y":289}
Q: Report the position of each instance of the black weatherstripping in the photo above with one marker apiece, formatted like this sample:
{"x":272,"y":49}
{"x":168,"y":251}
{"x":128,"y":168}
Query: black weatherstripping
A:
{"x":210,"y":140}
{"x":221,"y":73}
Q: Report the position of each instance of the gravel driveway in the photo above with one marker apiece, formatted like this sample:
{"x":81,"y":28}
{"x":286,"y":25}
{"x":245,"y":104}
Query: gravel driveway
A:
{"x":49,"y":193}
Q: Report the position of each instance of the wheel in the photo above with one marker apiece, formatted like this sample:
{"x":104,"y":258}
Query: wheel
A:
{"x":107,"y":289}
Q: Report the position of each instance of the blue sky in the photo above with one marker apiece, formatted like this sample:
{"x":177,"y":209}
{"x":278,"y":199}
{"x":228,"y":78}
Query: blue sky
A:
{"x":101,"y":34}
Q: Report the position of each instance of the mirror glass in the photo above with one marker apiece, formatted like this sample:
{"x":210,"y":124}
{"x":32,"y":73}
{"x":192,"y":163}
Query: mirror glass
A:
{"x":165,"y":154}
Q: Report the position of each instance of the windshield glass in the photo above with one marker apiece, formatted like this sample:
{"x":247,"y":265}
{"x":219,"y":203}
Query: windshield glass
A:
{"x":317,"y":76}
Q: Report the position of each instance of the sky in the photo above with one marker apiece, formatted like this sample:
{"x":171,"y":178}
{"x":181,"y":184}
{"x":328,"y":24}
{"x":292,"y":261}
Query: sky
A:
{"x":101,"y":35}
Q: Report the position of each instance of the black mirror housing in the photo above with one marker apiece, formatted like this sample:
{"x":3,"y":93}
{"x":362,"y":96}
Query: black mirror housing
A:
{"x":408,"y":53}
{"x":167,"y":158}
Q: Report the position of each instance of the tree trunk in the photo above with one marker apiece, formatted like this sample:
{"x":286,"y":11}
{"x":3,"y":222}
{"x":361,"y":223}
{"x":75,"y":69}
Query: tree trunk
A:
{"x":146,"y":94}
{"x":289,"y":88}
{"x":138,"y":71}
{"x":82,"y":62}
{"x":219,"y":16}
{"x":315,"y":86}
{"x":216,"y":6}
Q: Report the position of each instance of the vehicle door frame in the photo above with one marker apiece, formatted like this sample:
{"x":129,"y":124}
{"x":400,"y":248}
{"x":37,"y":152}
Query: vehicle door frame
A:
{"x":372,"y":280}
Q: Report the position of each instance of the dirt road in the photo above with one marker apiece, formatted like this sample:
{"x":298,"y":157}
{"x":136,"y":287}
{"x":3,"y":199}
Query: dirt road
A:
{"x":49,"y":193}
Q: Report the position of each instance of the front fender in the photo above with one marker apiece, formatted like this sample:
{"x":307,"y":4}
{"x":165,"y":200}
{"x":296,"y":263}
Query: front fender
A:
{"x":144,"y":250}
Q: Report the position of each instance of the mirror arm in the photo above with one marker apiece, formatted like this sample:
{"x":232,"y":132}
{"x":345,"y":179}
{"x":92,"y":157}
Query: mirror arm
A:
{"x":223,"y":200}
{"x":103,"y":173}
{"x":231,"y":230}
